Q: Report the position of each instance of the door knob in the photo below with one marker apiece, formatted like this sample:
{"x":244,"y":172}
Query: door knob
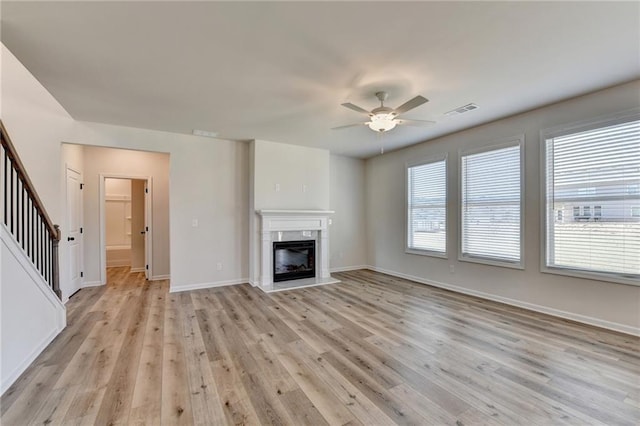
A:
{"x":70,"y":238}
{"x":142,"y":232}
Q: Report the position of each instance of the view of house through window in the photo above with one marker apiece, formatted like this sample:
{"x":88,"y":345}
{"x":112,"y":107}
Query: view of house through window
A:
{"x":593,"y":200}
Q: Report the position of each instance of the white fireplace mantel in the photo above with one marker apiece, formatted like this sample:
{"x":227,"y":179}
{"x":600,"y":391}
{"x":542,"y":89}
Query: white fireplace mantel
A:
{"x":294,"y":220}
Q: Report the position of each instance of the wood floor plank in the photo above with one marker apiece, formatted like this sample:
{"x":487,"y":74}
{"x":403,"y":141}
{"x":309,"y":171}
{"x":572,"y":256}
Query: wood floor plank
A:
{"x":176,"y":397}
{"x":205,"y":401}
{"x":372,"y":350}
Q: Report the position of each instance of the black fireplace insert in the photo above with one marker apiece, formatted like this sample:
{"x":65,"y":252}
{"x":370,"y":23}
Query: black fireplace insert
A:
{"x":294,"y":260}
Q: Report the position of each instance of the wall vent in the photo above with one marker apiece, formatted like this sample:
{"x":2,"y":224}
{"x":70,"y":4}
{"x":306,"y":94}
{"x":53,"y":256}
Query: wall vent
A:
{"x":205,"y":133}
{"x":462,"y":109}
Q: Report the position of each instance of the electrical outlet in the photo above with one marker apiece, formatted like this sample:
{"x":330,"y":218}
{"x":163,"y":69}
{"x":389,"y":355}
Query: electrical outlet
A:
{"x":219,"y":266}
{"x":452,"y":269}
{"x":277,"y":187}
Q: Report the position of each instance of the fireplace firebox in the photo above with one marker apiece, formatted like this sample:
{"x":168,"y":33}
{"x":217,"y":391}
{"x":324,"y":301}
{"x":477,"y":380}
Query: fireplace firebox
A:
{"x":294,"y":260}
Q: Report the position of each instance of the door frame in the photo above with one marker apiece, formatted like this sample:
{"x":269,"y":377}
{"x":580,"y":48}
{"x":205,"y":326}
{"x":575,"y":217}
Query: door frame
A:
{"x":68,"y":167}
{"x":148,"y":216}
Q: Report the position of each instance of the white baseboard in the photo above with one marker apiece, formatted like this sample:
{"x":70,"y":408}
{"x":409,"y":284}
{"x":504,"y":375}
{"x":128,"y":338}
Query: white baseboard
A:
{"x":137,"y":269}
{"x":349,"y":268}
{"x":160,"y":277}
{"x":87,"y":284}
{"x":26,"y":362}
{"x":200,"y":286}
{"x":621,"y":328}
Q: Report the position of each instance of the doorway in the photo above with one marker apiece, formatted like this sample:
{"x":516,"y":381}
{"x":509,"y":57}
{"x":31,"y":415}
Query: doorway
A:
{"x":125,"y":223}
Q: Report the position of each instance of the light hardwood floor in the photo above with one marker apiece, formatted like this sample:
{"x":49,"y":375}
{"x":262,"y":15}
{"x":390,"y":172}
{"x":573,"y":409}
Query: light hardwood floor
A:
{"x":373,"y":350}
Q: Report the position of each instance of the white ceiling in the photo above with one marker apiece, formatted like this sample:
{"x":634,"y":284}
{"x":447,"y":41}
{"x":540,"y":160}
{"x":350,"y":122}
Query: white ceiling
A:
{"x":279,"y":71}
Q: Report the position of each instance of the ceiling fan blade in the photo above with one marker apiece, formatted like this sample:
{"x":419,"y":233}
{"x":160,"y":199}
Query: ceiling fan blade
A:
{"x":355,"y":108}
{"x":416,"y":123}
{"x":411,"y":104}
{"x":349,"y":125}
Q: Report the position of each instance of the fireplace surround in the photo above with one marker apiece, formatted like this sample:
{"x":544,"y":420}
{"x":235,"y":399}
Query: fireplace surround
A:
{"x":282,"y":226}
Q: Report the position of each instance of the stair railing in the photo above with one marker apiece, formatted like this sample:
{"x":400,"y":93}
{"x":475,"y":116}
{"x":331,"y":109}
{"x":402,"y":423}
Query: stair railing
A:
{"x":25,"y":217}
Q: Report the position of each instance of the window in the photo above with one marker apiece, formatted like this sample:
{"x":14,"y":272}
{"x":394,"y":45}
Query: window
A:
{"x":597,"y":212}
{"x":596,"y":163}
{"x":426,"y":207}
{"x":491,"y":205}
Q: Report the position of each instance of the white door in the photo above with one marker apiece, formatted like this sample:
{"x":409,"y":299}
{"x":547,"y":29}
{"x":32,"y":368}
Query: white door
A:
{"x":147,"y":229}
{"x":138,"y":251}
{"x":74,"y":229}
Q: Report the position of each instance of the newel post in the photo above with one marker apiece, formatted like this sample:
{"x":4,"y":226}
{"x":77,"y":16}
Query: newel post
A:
{"x":55,"y":282}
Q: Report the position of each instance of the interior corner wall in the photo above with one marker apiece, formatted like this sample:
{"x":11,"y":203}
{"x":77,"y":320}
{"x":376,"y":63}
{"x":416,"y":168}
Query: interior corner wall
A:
{"x":603,"y":303}
{"x":124,"y":162}
{"x":348,"y":248}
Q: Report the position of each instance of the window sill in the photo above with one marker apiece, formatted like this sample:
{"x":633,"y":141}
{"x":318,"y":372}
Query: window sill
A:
{"x":426,"y":253}
{"x":611,"y":278}
{"x":492,"y":262}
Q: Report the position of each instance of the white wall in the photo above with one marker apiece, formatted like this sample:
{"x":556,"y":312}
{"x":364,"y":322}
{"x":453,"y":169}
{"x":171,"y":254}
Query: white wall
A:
{"x":291,"y":167}
{"x":31,"y":315}
{"x":109,"y":161}
{"x":604,"y":303}
{"x":301,"y":175}
{"x":208,"y":182}
{"x":348,"y":231}
{"x":36,"y":123}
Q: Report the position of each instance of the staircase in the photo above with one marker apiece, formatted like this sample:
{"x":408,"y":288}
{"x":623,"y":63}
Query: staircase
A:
{"x":25,"y":218}
{"x":31,"y":311}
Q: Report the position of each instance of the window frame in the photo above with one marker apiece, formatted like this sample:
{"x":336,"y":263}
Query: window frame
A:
{"x":517,"y":140}
{"x":621,"y":117}
{"x":420,"y":162}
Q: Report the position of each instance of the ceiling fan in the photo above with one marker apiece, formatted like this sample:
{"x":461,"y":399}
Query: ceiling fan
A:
{"x":383,"y":119}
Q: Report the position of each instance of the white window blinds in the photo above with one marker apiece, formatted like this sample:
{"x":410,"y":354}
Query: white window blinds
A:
{"x":593,"y":178}
{"x":490,"y":205}
{"x":427,"y":201}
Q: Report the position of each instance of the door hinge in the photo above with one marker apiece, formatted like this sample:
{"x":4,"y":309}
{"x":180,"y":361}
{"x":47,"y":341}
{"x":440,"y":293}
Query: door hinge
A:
{"x":81,"y":274}
{"x":146,"y":228}
{"x":81,"y":185}
{"x":146,"y":190}
{"x":81,"y":230}
{"x":146,"y":267}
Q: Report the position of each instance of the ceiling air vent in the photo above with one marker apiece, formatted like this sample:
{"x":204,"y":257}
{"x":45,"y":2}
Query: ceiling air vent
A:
{"x":462,"y":109}
{"x":205,"y":133}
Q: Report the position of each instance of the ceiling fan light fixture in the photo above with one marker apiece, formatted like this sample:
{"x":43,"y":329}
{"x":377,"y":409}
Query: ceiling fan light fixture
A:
{"x":382,"y":122}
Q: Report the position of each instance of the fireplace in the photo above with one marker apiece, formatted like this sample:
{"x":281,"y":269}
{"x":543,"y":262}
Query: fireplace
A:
{"x":294,"y":260}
